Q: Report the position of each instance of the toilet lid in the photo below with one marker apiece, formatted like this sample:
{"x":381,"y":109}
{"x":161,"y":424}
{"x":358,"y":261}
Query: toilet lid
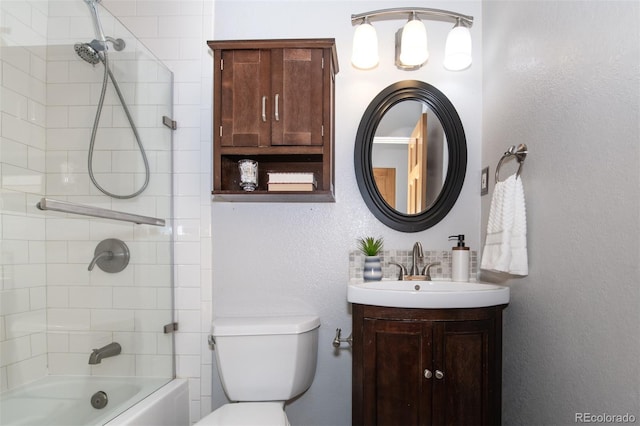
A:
{"x":247,"y":414}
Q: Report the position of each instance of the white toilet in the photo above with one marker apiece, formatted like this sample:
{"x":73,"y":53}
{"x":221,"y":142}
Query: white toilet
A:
{"x":263,"y":362}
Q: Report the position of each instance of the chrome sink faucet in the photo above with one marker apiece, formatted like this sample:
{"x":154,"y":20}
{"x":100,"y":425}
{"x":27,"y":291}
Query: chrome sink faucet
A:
{"x":415,"y":273}
{"x":417,"y":253}
{"x":112,"y":349}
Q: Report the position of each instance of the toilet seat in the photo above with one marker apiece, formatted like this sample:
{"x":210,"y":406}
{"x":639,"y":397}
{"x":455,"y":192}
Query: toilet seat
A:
{"x":247,"y":414}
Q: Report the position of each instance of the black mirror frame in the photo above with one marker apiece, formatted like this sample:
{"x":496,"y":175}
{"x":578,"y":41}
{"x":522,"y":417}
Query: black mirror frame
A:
{"x":457,"y":145}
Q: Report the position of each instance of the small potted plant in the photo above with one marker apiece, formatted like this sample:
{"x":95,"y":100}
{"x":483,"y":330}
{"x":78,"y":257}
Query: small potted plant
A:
{"x":371,"y":248}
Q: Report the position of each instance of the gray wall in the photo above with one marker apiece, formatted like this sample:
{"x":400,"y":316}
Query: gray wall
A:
{"x":281,"y":257}
{"x":556,"y":77}
{"x":563,"y":78}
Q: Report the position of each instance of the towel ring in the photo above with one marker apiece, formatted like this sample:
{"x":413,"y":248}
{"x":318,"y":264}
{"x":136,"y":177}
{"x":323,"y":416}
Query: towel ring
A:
{"x":520,"y":153}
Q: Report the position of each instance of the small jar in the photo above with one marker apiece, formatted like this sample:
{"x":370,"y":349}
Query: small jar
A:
{"x":248,"y":174}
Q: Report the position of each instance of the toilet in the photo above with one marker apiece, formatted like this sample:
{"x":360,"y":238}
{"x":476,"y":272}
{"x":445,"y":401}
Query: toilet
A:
{"x":263,"y":361}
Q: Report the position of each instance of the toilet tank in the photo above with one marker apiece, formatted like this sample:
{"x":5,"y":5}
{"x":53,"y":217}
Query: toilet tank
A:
{"x":266,"y":358}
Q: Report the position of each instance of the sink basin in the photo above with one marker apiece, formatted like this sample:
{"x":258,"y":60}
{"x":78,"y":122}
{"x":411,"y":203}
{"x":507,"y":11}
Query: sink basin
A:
{"x":427,"y":294}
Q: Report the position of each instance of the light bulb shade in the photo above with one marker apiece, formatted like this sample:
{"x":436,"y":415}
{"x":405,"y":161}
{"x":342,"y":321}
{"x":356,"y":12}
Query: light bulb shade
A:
{"x":413,"y":44}
{"x":365,"y":47}
{"x":457,"y":50}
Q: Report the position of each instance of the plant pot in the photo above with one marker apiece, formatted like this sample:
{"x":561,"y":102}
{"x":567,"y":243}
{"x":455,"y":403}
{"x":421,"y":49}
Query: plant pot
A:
{"x":372,"y":268}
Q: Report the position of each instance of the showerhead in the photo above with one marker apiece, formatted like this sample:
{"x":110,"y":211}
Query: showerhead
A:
{"x":87,"y":53}
{"x":90,"y":52}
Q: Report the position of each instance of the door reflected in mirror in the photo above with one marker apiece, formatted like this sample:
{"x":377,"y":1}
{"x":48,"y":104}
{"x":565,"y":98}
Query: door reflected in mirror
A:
{"x":409,"y":157}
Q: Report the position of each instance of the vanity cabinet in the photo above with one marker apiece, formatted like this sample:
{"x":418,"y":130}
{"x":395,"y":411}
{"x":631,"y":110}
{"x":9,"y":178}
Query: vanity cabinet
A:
{"x":273,"y":102}
{"x":426,"y":366}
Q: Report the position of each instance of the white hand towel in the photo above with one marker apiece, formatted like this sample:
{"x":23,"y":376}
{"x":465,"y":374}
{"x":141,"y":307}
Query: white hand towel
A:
{"x":505,"y":248}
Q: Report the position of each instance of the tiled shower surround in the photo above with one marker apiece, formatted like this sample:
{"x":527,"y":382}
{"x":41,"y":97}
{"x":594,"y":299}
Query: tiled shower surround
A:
{"x":404,"y":257}
{"x":53,"y":311}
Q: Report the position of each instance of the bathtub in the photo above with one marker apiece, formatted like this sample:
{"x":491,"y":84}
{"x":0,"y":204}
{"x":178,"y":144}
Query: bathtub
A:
{"x":65,"y":401}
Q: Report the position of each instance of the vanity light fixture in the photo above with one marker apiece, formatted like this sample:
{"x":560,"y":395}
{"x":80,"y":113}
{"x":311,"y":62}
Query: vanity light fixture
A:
{"x":457,"y":49}
{"x":365,"y":46}
{"x":411,"y":41}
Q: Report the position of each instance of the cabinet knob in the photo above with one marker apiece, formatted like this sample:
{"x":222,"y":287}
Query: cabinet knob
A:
{"x":428,"y":374}
{"x":439,"y":374}
{"x":264,"y":108}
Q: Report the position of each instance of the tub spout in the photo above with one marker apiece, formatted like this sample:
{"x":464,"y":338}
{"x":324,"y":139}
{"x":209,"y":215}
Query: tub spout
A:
{"x":112,"y":349}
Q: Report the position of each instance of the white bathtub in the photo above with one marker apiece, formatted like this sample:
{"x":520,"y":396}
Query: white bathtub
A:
{"x":65,"y":401}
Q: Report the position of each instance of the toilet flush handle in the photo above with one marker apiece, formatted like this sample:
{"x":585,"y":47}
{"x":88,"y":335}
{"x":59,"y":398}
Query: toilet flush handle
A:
{"x":338,"y":340}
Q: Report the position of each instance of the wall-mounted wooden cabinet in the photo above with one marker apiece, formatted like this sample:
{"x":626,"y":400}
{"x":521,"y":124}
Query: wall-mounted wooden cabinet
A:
{"x":273,"y":102}
{"x":427,"y":366}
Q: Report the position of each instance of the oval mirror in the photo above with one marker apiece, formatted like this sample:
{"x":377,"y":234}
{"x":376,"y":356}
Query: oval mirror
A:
{"x":410,"y":156}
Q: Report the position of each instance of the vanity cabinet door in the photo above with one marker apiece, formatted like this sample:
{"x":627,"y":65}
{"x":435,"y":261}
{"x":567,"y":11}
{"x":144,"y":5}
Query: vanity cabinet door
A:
{"x":395,"y":391}
{"x":465,"y":373}
{"x":426,"y":367}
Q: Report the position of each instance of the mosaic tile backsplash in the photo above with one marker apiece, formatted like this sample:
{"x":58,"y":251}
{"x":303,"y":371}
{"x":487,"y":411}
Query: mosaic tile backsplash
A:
{"x":404,"y":257}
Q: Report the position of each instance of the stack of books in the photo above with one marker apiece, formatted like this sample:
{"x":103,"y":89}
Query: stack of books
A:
{"x":292,"y":181}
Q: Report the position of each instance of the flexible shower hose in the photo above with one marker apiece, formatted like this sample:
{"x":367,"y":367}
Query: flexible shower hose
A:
{"x":94,"y":131}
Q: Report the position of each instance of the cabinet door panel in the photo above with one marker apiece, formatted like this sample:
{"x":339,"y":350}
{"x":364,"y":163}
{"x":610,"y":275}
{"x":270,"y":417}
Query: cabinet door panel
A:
{"x":464,"y":355}
{"x":297,"y":92}
{"x":394,"y":373}
{"x":244,"y":112}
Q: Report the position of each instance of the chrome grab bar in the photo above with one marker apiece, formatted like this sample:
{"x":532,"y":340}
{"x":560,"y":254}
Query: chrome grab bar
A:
{"x":67,"y":207}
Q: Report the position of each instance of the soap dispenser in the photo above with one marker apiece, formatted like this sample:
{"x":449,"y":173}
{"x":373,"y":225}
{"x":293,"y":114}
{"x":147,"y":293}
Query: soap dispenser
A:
{"x":459,"y":259}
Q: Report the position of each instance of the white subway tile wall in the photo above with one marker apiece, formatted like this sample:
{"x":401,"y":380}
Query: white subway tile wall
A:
{"x":23,"y":338}
{"x":176,"y":32}
{"x":47,"y":106}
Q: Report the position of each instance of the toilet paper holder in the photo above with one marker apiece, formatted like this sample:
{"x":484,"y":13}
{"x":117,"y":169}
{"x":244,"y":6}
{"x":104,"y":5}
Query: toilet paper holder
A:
{"x":337,"y":341}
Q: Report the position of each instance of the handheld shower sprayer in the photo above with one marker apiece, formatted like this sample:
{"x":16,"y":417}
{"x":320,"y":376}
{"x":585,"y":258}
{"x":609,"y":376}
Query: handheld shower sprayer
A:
{"x":93,"y":7}
{"x":94,"y":52}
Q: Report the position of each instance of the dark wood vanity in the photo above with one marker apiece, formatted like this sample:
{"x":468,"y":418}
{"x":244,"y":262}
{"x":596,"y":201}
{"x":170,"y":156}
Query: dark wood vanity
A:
{"x":273,"y":102}
{"x":427,"y":366}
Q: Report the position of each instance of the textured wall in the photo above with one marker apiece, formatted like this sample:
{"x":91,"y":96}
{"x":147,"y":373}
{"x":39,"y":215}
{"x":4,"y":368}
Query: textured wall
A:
{"x":282,"y":257}
{"x":563,"y":78}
